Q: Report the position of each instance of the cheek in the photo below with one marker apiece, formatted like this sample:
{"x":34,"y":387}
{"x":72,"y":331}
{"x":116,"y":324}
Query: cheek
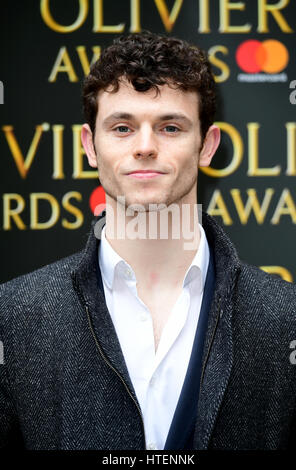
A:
{"x":108,"y":162}
{"x":103,"y":150}
{"x":190,"y":161}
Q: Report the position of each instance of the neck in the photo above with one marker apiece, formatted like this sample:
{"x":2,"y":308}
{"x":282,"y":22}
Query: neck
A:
{"x":159,"y":245}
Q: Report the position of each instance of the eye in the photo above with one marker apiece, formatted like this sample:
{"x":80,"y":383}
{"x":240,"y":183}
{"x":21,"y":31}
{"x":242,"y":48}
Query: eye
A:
{"x":171,"y":129}
{"x":122,"y":129}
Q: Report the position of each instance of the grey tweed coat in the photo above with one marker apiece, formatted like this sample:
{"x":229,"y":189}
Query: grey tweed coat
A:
{"x":64,"y":383}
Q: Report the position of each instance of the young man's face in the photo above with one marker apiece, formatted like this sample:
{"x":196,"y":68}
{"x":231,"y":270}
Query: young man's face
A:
{"x":138,"y":131}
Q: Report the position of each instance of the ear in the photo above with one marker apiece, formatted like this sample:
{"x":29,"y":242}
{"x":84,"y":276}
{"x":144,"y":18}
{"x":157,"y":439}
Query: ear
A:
{"x":88,"y":145}
{"x":210,"y":146}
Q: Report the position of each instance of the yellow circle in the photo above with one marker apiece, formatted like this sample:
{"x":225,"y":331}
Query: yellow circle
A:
{"x":277,"y":56}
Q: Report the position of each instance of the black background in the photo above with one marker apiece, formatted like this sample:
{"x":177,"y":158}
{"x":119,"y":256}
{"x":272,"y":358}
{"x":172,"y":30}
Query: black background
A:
{"x":28,"y":52}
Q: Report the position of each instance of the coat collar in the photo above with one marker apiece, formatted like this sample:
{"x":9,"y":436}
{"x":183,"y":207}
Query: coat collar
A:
{"x":218,"y":349}
{"x":87,"y":283}
{"x":217,"y":354}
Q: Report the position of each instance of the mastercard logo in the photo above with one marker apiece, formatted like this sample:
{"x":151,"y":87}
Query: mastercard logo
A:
{"x":268,"y":56}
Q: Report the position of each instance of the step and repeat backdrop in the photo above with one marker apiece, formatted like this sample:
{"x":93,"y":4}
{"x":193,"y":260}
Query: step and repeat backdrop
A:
{"x":49,"y":192}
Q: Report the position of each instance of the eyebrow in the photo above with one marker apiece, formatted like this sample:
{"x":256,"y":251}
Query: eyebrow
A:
{"x":162,"y":117}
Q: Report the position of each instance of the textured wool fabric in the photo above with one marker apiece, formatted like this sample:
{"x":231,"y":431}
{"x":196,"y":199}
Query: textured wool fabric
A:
{"x":64,"y":382}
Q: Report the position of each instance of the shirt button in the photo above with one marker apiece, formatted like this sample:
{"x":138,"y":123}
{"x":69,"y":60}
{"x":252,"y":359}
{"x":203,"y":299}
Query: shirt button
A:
{"x":151,"y":446}
{"x":143,"y":317}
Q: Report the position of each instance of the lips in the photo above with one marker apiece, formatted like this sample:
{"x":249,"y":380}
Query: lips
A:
{"x":145,"y":174}
{"x":145,"y":171}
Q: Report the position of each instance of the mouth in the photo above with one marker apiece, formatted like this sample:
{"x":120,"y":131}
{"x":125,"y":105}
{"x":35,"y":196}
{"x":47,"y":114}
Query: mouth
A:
{"x":143,"y":174}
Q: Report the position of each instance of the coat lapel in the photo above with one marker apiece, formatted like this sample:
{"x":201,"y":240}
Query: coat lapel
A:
{"x":218,"y":350}
{"x":87,"y":282}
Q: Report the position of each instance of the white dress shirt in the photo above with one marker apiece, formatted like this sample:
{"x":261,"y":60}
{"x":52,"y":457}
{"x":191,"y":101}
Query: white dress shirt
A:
{"x":158,"y":376}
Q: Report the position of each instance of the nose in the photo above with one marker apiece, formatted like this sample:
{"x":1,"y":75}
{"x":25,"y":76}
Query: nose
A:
{"x":145,"y":143}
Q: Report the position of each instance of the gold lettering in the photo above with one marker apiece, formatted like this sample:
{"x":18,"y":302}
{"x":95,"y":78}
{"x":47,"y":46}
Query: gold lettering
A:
{"x":238,"y":148}
{"x":78,"y":152}
{"x":225,"y":72}
{"x":55,"y":211}
{"x":58,"y":155}
{"x":252,"y":204}
{"x":225,"y":27}
{"x":63,"y":64}
{"x":9,"y":213}
{"x":84,"y":59}
{"x":48,"y":19}
{"x":217,"y":206}
{"x":73,"y":210}
{"x":204,"y":24}
{"x":254,"y":169}
{"x":99,"y":26}
{"x":291,"y":148}
{"x":167,"y":18}
{"x":285,"y":206}
{"x":23,"y":164}
{"x":264,"y":8}
{"x":278,"y":270}
{"x":135,"y":26}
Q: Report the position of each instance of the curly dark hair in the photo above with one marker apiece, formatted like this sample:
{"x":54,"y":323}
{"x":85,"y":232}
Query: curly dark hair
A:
{"x":149,"y":60}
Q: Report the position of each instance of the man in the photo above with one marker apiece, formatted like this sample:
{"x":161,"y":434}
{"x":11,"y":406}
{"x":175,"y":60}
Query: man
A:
{"x":149,"y":342}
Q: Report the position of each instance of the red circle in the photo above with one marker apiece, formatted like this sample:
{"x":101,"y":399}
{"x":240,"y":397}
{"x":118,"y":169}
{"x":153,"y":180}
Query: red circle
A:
{"x":97,"y":200}
{"x":247,"y":56}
